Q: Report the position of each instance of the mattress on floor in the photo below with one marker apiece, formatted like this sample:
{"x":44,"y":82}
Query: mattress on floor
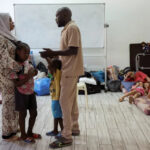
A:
{"x":143,"y":103}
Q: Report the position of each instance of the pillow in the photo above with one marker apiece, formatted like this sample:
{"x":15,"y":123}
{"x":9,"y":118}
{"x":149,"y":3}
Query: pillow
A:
{"x":88,"y":80}
{"x":127,"y":85}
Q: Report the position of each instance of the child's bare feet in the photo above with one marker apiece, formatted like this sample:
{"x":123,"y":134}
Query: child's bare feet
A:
{"x":121,"y":99}
{"x":131,"y":99}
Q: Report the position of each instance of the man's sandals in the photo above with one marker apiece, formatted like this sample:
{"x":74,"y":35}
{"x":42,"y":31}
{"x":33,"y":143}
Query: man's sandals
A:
{"x":62,"y":142}
{"x":29,"y":140}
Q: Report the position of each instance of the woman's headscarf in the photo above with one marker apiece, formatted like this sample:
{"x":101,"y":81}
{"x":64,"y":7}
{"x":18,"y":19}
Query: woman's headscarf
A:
{"x":5,"y":26}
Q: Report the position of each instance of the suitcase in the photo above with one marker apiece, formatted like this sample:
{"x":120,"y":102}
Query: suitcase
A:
{"x":139,"y":60}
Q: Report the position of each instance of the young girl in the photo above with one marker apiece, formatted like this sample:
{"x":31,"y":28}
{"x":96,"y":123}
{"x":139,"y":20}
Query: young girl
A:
{"x":147,"y":88}
{"x":24,"y":93}
{"x":136,"y":91}
{"x":54,"y":66}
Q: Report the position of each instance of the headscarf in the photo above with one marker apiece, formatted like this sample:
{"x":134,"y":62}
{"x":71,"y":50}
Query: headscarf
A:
{"x":5,"y":26}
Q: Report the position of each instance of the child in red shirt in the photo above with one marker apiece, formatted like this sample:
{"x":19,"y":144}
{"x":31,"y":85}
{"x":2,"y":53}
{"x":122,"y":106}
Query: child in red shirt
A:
{"x":136,"y":77}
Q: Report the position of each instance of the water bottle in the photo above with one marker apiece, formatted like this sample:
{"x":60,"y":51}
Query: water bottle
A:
{"x":31,"y":59}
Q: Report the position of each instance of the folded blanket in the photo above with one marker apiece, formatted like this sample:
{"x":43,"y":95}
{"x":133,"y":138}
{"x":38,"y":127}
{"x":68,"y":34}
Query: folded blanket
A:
{"x":88,"y":80}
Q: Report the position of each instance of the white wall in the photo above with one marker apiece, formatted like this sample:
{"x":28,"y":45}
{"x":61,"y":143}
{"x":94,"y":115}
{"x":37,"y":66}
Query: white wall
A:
{"x":128,"y":20}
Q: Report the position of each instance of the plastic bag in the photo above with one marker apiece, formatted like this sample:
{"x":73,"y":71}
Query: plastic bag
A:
{"x":41,"y":67}
{"x":42,"y":86}
{"x":99,"y":76}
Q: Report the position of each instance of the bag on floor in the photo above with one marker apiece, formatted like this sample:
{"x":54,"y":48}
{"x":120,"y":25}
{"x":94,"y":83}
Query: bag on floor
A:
{"x":42,"y":86}
{"x":91,"y":89}
{"x":114,"y":85}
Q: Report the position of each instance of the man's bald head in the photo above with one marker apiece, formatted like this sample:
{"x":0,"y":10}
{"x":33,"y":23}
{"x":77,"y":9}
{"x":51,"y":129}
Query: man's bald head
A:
{"x":65,"y":11}
{"x":63,"y":16}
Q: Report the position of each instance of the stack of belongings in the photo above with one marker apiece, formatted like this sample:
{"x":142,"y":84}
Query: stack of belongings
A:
{"x":93,"y":86}
{"x":114,"y":82}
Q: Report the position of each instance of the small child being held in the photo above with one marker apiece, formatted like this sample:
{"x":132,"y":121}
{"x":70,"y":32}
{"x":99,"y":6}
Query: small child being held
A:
{"x":54,"y":66}
{"x":136,"y":91}
{"x":24,"y":92}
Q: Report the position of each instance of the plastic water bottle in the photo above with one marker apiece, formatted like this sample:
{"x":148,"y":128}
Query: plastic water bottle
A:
{"x":31,"y":59}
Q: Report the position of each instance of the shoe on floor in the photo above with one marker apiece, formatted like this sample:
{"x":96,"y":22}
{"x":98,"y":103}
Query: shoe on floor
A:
{"x":52,"y":133}
{"x":62,"y":142}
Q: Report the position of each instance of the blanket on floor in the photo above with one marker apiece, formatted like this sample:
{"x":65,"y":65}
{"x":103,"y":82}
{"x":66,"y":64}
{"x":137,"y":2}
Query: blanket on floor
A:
{"x":143,"y":103}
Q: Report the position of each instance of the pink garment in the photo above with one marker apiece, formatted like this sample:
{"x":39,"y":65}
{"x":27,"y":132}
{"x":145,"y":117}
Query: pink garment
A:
{"x":28,"y":87}
{"x":140,"y":90}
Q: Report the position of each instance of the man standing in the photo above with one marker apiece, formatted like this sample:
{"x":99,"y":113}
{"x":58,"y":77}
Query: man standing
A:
{"x":72,"y":67}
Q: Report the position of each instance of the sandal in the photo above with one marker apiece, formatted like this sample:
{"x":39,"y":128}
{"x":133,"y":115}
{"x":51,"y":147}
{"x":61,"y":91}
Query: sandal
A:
{"x":62,"y":142}
{"x":36,"y":136}
{"x":59,"y":144}
{"x":29,"y":140}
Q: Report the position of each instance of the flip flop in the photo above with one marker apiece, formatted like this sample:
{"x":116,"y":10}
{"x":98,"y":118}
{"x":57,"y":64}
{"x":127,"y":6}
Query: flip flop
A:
{"x":36,"y":136}
{"x":29,"y":140}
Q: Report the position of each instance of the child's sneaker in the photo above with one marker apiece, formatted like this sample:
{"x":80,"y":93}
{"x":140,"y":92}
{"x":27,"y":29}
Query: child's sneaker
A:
{"x":51,"y":133}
